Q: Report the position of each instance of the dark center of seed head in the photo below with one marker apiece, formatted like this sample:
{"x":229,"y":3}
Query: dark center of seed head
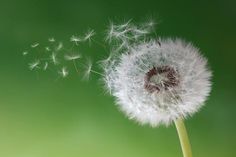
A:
{"x":160,"y":78}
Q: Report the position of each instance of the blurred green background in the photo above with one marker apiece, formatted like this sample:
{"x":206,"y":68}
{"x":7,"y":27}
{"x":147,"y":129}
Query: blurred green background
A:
{"x":40,"y":117}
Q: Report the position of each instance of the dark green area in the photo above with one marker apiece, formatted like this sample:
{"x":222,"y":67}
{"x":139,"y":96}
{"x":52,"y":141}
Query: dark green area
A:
{"x":41,"y":117}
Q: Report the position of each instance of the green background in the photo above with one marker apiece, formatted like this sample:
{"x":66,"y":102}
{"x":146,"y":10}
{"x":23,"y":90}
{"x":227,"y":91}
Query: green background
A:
{"x":41,"y":117}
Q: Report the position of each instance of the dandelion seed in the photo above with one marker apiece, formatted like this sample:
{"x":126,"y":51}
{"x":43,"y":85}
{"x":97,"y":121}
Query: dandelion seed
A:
{"x":72,"y":57}
{"x":75,"y":39}
{"x":110,"y":32}
{"x":24,"y":53}
{"x":45,"y":66}
{"x":88,"y":35}
{"x":151,"y":23}
{"x":125,"y":25}
{"x":140,"y":31}
{"x":35,"y":45}
{"x":63,"y":72}
{"x":34,"y":65}
{"x":51,"y":39}
{"x":59,"y":46}
{"x":47,"y":48}
{"x":54,"y":59}
{"x":88,"y":69}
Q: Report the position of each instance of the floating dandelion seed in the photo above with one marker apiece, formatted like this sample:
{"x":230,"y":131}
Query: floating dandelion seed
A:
{"x":51,"y":39}
{"x":54,"y":59}
{"x":88,"y":69}
{"x":35,"y":45}
{"x":75,"y":39}
{"x":24,"y":53}
{"x":63,"y":72}
{"x":72,"y":57}
{"x":124,"y":25}
{"x":88,"y":35}
{"x":59,"y":46}
{"x":34,"y":65}
{"x":47,"y":48}
{"x":45,"y":66}
{"x":110,"y":32}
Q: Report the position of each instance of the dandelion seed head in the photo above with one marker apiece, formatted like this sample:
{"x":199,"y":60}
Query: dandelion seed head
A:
{"x":156,"y":84}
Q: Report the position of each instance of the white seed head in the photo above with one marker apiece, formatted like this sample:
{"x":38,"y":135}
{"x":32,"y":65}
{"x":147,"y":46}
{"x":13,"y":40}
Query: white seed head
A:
{"x":157,"y":82}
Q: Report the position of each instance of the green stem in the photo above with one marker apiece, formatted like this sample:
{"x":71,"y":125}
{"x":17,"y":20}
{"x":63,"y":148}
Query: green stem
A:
{"x":183,"y":137}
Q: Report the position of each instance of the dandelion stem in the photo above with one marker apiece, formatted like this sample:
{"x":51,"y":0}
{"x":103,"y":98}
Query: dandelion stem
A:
{"x":183,"y":137}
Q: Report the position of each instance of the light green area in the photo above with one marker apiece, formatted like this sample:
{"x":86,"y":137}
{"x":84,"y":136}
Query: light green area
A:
{"x":41,"y":117}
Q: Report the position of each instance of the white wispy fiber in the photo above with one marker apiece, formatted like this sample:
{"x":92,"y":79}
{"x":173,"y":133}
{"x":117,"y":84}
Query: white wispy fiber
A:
{"x":54,"y":59}
{"x":74,"y":56}
{"x":122,"y":36}
{"x":63,"y":72}
{"x":34,"y":65}
{"x":24,"y":53}
{"x":45,"y":66}
{"x":35,"y":45}
{"x":51,"y":39}
{"x":59,"y":46}
{"x":88,"y":69}
{"x":157,"y":82}
{"x":75,"y":39}
{"x":89,"y":35}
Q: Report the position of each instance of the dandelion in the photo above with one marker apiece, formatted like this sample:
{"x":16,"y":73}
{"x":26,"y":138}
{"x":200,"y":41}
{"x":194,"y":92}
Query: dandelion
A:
{"x":156,"y":84}
{"x":34,"y":65}
{"x":72,"y":57}
{"x":75,"y":39}
{"x":35,"y":45}
{"x":63,"y":72}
